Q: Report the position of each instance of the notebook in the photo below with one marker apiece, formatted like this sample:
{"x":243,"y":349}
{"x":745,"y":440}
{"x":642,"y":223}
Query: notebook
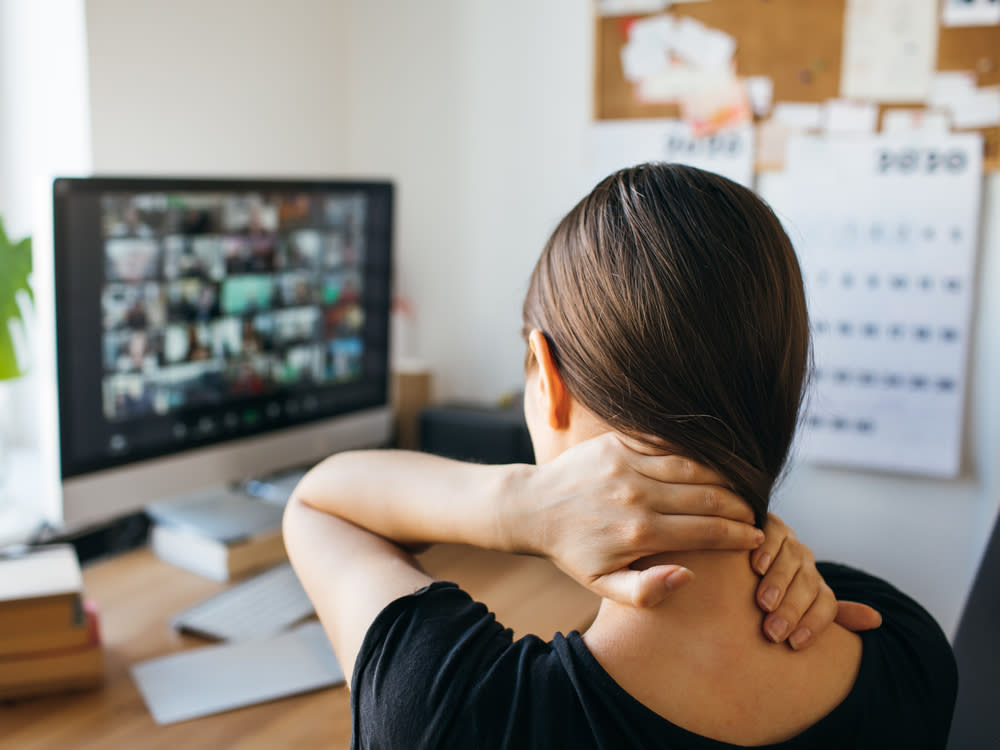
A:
{"x":220,"y":514}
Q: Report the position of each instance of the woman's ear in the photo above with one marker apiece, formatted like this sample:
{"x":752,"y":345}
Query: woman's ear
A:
{"x":552,"y":394}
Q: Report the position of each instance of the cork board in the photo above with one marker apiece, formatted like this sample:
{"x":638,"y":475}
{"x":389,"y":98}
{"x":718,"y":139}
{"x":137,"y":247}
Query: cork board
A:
{"x":797,"y":44}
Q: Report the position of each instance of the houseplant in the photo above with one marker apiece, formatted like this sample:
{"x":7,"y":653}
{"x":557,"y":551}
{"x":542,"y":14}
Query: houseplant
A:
{"x":15,"y":266}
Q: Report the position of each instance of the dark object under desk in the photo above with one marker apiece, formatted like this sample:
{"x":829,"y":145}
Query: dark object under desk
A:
{"x":977,"y":714}
{"x":482,"y":434}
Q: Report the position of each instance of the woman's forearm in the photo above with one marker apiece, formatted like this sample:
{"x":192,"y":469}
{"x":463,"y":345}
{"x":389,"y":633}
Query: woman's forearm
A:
{"x":593,"y":511}
{"x":415,"y":498}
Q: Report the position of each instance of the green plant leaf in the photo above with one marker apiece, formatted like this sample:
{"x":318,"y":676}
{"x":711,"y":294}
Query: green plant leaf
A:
{"x":15,"y":266}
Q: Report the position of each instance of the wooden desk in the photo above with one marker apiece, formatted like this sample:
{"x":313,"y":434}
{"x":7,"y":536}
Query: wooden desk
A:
{"x":137,"y":593}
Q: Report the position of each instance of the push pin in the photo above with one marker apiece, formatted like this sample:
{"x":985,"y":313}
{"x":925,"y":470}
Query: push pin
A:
{"x":805,"y":76}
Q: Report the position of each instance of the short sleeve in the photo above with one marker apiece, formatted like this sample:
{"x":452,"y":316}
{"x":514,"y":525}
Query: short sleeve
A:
{"x":420,"y":660}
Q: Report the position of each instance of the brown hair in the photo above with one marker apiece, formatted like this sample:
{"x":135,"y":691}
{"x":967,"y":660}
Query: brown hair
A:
{"x":673,"y":304}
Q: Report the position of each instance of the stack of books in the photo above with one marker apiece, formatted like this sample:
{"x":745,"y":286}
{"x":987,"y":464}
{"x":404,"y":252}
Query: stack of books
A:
{"x":49,"y":637}
{"x":221,"y":534}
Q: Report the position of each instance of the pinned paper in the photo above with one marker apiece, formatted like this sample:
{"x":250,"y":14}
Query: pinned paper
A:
{"x":655,"y":31}
{"x":711,"y":110}
{"x":772,"y":143}
{"x":670,"y":58}
{"x":799,"y":115}
{"x":970,"y":107}
{"x":981,"y":109}
{"x":622,"y":143}
{"x":890,"y":47}
{"x":760,"y":93}
{"x":915,"y":121}
{"x":970,"y":12}
{"x":628,"y":7}
{"x":648,"y":49}
{"x":885,"y":231}
{"x":642,"y":61}
{"x":843,"y":117}
{"x":698,"y":45}
{"x":678,"y":81}
{"x":950,"y":87}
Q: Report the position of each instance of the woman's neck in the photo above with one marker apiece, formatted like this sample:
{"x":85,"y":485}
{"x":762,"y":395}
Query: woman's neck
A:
{"x":717,"y":610}
{"x":701,"y":660}
{"x":723,"y":582}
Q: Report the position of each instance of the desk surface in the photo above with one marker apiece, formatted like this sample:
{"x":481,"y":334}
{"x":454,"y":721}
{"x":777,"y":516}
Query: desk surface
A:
{"x":137,"y":593}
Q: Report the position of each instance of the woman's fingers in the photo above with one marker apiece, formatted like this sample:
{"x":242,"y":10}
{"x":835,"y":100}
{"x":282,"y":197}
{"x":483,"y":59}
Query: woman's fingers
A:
{"x":680,"y":533}
{"x":696,"y":500}
{"x":646,"y":588}
{"x":775,"y":532}
{"x":800,"y":596}
{"x":673,"y":468}
{"x":825,"y":610}
{"x":815,"y":619}
{"x":675,"y":484}
{"x":856,"y":616}
{"x":780,"y":573}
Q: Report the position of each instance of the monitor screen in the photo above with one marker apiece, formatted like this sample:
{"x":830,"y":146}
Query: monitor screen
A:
{"x":194,"y":312}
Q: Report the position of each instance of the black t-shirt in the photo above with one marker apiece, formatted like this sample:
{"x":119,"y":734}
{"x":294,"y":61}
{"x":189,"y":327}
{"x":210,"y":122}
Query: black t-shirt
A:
{"x":436,"y":670}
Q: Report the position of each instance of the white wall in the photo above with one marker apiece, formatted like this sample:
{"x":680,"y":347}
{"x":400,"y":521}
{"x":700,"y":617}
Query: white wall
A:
{"x":254,"y":87}
{"x":481,"y":118}
{"x":44,"y":131}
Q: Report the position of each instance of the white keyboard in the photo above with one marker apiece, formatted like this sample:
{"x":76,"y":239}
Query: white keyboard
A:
{"x":258,"y":607}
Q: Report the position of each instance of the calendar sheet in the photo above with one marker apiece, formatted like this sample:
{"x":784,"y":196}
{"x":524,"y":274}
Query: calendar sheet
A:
{"x":885,"y":229}
{"x":623,"y":143}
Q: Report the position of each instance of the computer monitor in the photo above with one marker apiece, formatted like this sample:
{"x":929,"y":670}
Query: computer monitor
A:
{"x":209,"y":331}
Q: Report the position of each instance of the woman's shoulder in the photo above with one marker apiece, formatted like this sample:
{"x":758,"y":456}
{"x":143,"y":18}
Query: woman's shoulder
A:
{"x":909,"y":652}
{"x":436,"y":669}
{"x":898,"y":609}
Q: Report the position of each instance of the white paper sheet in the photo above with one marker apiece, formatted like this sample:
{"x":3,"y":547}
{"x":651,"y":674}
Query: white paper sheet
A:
{"x":890,"y":48}
{"x":701,"y":46}
{"x":969,"y":106}
{"x":971,"y":12}
{"x":677,"y":81}
{"x":981,"y":109}
{"x":643,"y":59}
{"x":674,"y":57}
{"x":949,"y":86}
{"x":897,"y":121}
{"x":623,"y":143}
{"x":654,"y":31}
{"x":760,"y":92}
{"x":220,"y":678}
{"x":628,"y":7}
{"x":799,"y":115}
{"x":840,"y":117}
{"x":885,"y":229}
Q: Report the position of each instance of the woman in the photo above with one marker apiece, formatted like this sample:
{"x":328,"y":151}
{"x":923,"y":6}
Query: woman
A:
{"x":668,"y":347}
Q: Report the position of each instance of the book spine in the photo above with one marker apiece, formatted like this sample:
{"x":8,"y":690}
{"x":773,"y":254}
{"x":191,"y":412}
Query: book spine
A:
{"x":56,"y":668}
{"x":205,"y":557}
{"x":19,"y":619}
{"x":256,"y":553}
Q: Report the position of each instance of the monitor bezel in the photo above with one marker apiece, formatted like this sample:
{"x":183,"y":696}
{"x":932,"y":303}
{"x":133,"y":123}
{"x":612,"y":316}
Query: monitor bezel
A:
{"x":267,"y":442}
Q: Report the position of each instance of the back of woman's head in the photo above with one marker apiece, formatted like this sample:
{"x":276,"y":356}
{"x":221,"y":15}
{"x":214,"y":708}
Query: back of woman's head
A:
{"x":673,"y":304}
